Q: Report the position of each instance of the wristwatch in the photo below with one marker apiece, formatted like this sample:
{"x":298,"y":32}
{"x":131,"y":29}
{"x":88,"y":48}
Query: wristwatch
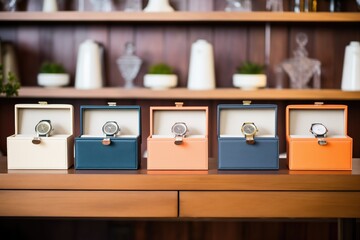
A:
{"x":319,"y":131}
{"x":110,"y":129}
{"x":249,"y":129}
{"x":42,"y":129}
{"x":179,"y":129}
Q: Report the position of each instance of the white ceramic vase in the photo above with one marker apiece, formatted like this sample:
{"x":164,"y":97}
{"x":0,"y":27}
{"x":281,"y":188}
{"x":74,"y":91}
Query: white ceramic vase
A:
{"x":201,"y":69}
{"x":158,"y":6}
{"x":351,"y":69}
{"x":89,"y":68}
{"x":50,"y":6}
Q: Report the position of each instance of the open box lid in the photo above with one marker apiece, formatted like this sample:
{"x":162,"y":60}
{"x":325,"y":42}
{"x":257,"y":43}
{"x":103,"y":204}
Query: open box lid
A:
{"x":92,"y":119}
{"x":28,"y":115}
{"x":300,"y":117}
{"x":163,"y":118}
{"x":230,"y":118}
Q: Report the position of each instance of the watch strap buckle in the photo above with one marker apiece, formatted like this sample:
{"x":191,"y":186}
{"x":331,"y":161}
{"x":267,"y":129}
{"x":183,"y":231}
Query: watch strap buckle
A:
{"x":178,"y":140}
{"x":322,"y":141}
{"x":36,"y":140}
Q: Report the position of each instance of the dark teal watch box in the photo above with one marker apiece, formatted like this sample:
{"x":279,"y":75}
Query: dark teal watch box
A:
{"x":94,"y":149}
{"x":234,"y":151}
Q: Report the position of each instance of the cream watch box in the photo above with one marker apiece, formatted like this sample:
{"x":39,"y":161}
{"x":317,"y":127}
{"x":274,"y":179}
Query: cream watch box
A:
{"x":29,"y":150}
{"x":167,"y":149}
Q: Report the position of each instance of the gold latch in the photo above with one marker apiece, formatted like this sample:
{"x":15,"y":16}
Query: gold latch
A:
{"x":179,"y":104}
{"x":318,"y":103}
{"x":112,"y":104}
{"x":42,"y":102}
{"x":246,"y":102}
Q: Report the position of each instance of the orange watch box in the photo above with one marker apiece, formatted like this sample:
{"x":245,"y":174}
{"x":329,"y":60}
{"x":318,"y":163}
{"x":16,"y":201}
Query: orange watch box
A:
{"x":305,"y":150}
{"x":192,"y":153}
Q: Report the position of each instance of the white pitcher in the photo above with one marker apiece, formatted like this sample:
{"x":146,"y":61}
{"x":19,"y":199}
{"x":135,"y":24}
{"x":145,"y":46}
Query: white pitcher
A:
{"x":158,"y":6}
{"x":50,"y":6}
{"x":351,"y":70}
{"x":89,"y":66}
{"x":201,"y":69}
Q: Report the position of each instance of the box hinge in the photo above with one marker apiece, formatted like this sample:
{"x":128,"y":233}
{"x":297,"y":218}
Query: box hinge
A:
{"x":179,"y":104}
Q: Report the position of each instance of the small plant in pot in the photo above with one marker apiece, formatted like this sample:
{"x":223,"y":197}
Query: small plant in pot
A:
{"x":53,"y":75}
{"x":249,"y":76}
{"x":160,"y":76}
{"x":10,"y":85}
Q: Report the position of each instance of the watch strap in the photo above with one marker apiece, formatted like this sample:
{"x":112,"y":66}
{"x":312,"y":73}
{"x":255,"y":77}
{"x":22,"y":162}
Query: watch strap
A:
{"x":178,"y":140}
{"x":250,"y":139}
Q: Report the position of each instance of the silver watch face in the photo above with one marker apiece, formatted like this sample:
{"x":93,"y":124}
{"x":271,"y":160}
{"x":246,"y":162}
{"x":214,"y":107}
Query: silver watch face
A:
{"x":318,"y":129}
{"x":249,"y":129}
{"x":43,"y":127}
{"x":110,"y":128}
{"x":179,"y":129}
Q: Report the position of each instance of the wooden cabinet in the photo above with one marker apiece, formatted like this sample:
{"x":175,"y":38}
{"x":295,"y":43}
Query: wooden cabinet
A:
{"x":180,"y":194}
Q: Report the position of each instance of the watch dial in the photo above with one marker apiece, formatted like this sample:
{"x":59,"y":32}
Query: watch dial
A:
{"x":249,"y":129}
{"x":319,"y":129}
{"x":179,"y":129}
{"x":43,"y":128}
{"x":110,"y":128}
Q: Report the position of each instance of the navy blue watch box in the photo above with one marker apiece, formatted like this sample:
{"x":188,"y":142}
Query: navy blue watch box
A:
{"x":96,"y":149}
{"x":234,"y":151}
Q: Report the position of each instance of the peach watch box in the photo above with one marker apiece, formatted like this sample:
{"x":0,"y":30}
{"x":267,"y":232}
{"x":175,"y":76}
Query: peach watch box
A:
{"x":308,"y":151}
{"x":166,"y":151}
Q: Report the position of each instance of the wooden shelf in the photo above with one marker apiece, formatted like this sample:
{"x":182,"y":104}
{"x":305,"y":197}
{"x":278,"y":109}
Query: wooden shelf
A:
{"x":72,"y":16}
{"x":183,"y":94}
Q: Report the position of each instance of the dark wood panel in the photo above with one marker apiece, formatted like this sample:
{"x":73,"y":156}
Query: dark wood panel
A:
{"x":233,"y":43}
{"x":58,"y":229}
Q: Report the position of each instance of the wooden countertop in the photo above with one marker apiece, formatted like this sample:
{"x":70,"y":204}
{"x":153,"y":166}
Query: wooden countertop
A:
{"x":212,"y":179}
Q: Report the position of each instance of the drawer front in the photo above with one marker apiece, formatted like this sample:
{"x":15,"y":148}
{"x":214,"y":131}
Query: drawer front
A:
{"x":89,"y":203}
{"x":248,"y":204}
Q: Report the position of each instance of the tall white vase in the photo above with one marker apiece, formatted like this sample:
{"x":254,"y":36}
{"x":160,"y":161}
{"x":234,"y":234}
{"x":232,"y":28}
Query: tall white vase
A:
{"x":201,"y":69}
{"x":50,"y":6}
{"x":89,"y":68}
{"x":158,"y":6}
{"x":351,"y":69}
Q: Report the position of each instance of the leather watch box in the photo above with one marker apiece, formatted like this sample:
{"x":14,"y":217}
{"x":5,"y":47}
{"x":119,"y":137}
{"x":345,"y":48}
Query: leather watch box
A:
{"x":43,"y":137}
{"x":234,"y":150}
{"x":307,"y":151}
{"x":96,"y":148}
{"x":166,"y":151}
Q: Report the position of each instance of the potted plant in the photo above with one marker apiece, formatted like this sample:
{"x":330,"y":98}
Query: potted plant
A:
{"x":160,"y":76}
{"x":10,"y":86}
{"x":249,"y":76}
{"x":53,"y":75}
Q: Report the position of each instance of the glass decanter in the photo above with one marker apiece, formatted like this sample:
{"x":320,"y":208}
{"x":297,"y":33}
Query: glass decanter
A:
{"x":274,"y":5}
{"x":133,"y":6}
{"x":129,"y":65}
{"x":300,"y":68}
{"x":9,"y":5}
{"x":238,"y":5}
